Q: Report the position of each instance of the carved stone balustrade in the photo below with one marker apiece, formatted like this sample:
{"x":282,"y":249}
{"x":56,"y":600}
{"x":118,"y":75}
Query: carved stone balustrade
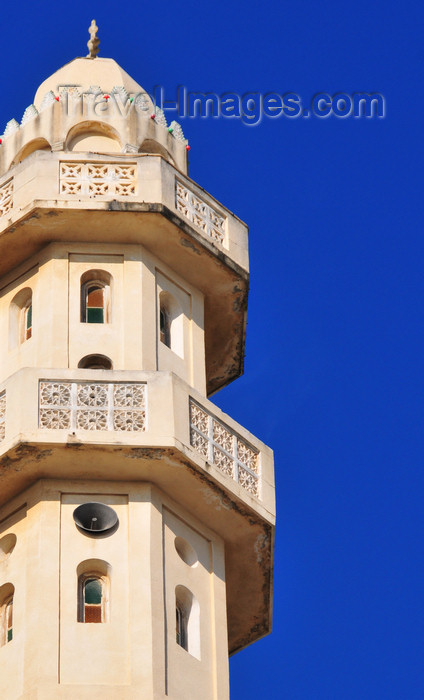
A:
{"x":149,"y":426}
{"x":147,"y":409}
{"x":53,"y":196}
{"x":130,"y":183}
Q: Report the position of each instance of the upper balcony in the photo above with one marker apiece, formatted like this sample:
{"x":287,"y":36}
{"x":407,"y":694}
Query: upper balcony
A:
{"x":150,"y":426}
{"x":136,"y":199}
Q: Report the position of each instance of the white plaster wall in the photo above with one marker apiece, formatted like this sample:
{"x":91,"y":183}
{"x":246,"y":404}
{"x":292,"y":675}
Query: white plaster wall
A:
{"x":135,"y":653}
{"x":130,"y":338}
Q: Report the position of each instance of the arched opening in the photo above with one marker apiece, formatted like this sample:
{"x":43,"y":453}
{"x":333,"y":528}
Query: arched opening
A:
{"x":165,"y":326}
{"x":93,"y":591}
{"x":7,"y":545}
{"x":95,"y":297}
{"x":39,"y":144}
{"x":171,"y":328}
{"x":95,"y":362}
{"x":6,"y":613}
{"x":93,"y":136}
{"x":93,"y":599}
{"x":27,"y":320}
{"x":155,"y":148}
{"x":20,"y":318}
{"x":181,"y":626}
{"x":187,"y":619}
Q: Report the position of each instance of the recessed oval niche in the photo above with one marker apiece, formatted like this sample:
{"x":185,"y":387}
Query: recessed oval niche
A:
{"x":186,"y":551}
{"x":7,"y":545}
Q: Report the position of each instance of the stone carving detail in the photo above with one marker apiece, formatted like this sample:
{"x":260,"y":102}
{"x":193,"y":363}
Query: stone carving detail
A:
{"x":94,"y":41}
{"x":94,"y":90}
{"x":199,"y":443}
{"x":47,"y":100}
{"x":55,"y":394}
{"x":6,"y":197}
{"x":128,"y":420}
{"x":58,"y":419}
{"x":29,"y":114}
{"x":128,"y":395}
{"x":220,"y":446}
{"x":120,"y":91}
{"x":92,"y":406}
{"x":160,"y":117}
{"x":94,"y":179}
{"x":247,"y":456}
{"x":199,"y":213}
{"x":11,"y":126}
{"x":2,"y":415}
{"x":177,"y":131}
{"x":92,"y":395}
{"x":199,"y":418}
{"x":142,"y":103}
{"x":223,"y":461}
{"x":92,"y":420}
{"x":129,"y":148}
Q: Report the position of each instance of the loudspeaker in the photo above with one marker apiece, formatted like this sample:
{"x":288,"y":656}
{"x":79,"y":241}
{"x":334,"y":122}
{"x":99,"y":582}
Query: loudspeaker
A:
{"x":95,"y":518}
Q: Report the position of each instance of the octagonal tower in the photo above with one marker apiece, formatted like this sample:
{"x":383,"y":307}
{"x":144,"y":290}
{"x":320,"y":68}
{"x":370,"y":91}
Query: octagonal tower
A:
{"x":122,"y":308}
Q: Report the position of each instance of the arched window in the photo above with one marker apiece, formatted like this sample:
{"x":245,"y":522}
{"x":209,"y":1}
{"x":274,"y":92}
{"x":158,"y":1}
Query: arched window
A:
{"x":94,"y":303}
{"x":187,"y":618}
{"x":95,"y":362}
{"x":8,"y":621}
{"x":151,"y":146}
{"x":39,"y":144}
{"x":181,"y":626}
{"x":93,"y":599}
{"x":93,"y":591}
{"x":96,"y":137}
{"x":95,"y":297}
{"x":171,"y":330}
{"x":20,"y":318}
{"x":6,"y":613}
{"x":165,"y":326}
{"x":27,"y":320}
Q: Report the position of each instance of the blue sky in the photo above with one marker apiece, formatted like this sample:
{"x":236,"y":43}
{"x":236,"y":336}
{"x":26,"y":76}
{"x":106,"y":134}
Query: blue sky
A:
{"x":334,"y":355}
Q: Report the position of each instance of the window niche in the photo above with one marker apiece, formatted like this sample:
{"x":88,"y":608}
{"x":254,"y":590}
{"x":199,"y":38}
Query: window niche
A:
{"x":95,"y":297}
{"x":96,"y":137}
{"x":181,"y":626}
{"x":7,"y":545}
{"x":93,"y":591}
{"x":171,"y":326}
{"x":187,"y":618}
{"x":95,"y":362}
{"x":6,"y":613}
{"x":20,"y":318}
{"x":165,"y":326}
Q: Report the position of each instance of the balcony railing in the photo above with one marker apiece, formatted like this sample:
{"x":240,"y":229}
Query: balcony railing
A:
{"x":92,"y":406}
{"x":96,"y":179}
{"x":222,"y":447}
{"x":199,"y":213}
{"x":2,"y":415}
{"x":136,"y":409}
{"x":6,"y":197}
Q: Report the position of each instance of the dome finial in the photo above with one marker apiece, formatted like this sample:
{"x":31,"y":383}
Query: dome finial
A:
{"x":93,"y":43}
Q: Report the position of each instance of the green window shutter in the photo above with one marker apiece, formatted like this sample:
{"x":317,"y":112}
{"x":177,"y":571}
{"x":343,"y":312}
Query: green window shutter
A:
{"x":95,"y":315}
{"x":29,"y":317}
{"x":93,"y":592}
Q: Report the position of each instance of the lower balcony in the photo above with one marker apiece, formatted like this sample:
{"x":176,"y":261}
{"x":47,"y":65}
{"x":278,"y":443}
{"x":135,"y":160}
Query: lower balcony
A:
{"x":121,"y":426}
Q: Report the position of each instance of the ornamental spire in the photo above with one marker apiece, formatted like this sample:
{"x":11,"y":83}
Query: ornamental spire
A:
{"x":93,"y":43}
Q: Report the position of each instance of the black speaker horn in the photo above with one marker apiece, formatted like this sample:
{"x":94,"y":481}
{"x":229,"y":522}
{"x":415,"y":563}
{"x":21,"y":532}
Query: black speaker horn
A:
{"x":95,"y":518}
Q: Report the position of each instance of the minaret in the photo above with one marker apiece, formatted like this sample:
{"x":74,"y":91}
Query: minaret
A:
{"x":136,"y":518}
